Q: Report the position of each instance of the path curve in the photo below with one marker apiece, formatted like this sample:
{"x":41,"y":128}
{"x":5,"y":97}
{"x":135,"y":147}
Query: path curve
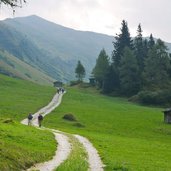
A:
{"x":95,"y":163}
{"x":61,"y":154}
{"x":64,"y":147}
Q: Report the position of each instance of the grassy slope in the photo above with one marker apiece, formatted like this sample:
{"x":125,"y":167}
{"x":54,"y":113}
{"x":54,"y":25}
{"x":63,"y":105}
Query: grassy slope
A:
{"x":21,"y":146}
{"x":12,"y":65}
{"x":19,"y":97}
{"x":128,"y":136}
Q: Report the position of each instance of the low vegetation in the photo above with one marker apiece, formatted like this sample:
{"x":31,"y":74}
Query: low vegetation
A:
{"x":128,"y":136}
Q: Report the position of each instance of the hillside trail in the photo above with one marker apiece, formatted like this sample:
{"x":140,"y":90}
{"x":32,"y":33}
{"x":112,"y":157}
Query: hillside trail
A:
{"x":63,"y":145}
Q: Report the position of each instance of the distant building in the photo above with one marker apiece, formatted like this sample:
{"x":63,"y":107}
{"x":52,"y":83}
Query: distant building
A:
{"x":57,"y":84}
{"x":167,"y":115}
{"x":92,"y":80}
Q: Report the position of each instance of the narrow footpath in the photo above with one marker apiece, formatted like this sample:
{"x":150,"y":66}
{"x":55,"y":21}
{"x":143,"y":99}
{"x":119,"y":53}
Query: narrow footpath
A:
{"x":63,"y":146}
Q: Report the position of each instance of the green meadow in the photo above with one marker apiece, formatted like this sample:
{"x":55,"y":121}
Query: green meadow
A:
{"x":22,"y":146}
{"x":128,"y":136}
{"x":19,"y":97}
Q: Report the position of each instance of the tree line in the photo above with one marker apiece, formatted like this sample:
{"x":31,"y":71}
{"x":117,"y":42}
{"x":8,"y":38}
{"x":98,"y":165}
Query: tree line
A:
{"x":139,"y":68}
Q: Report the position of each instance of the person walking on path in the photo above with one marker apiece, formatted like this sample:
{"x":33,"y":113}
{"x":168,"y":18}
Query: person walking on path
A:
{"x":30,"y":117}
{"x":40,"y":119}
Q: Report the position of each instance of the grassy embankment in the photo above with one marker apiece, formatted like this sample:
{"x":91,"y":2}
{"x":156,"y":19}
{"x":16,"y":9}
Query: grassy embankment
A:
{"x":127,"y":136}
{"x":22,"y":146}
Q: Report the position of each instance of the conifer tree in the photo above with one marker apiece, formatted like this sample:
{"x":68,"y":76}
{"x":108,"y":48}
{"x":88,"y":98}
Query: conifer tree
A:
{"x":129,"y":73}
{"x":80,"y":71}
{"x":157,"y":66}
{"x":101,"y":68}
{"x":122,"y":40}
{"x":139,"y":49}
{"x":109,"y":81}
{"x":151,"y":42}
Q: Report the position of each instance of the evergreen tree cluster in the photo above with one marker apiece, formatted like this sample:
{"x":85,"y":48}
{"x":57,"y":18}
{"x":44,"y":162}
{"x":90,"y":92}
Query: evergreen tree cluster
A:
{"x":136,"y":65}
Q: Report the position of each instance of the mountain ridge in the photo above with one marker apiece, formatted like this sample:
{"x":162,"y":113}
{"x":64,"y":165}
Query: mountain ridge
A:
{"x":52,"y":48}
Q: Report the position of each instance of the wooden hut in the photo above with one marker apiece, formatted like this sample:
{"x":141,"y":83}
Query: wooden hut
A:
{"x":92,"y":81}
{"x":167,"y":115}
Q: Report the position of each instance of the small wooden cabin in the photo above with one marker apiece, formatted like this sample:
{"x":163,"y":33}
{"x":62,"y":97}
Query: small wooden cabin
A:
{"x":92,"y":81}
{"x":167,"y":115}
{"x":57,"y":84}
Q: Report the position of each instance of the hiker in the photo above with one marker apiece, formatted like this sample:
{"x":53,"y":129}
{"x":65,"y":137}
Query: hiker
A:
{"x":62,"y":90}
{"x":30,"y":117}
{"x":40,"y":119}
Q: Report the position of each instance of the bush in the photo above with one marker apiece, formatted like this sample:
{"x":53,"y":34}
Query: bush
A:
{"x":69,"y":117}
{"x":160,"y":97}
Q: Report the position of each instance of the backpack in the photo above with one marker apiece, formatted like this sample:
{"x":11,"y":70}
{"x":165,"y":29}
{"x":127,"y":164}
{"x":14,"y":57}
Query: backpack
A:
{"x":40,"y":117}
{"x":30,"y":116}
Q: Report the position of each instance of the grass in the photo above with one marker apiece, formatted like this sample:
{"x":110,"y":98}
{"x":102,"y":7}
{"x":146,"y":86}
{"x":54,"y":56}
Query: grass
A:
{"x":19,"y":97}
{"x":128,"y":136}
{"x":77,"y":161}
{"x":22,"y":146}
{"x":14,"y":66}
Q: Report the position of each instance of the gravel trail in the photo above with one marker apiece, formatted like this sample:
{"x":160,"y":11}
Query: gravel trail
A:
{"x":64,"y":147}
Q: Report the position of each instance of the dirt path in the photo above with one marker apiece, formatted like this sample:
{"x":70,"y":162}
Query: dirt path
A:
{"x":95,"y":163}
{"x":61,"y":154}
{"x":64,"y":147}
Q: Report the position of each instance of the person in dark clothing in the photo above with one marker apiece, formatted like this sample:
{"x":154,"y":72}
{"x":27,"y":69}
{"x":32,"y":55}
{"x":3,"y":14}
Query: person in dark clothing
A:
{"x":30,"y":117}
{"x":40,"y":119}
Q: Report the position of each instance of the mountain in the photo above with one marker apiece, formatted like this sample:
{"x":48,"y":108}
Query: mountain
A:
{"x":14,"y":67}
{"x":52,"y":48}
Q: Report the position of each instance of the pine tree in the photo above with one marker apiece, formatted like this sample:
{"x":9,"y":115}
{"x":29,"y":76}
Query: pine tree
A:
{"x":80,"y":71}
{"x":139,"y":49}
{"x":129,"y":73}
{"x":109,"y":81}
{"x":151,"y":42}
{"x":157,"y":66}
{"x":122,"y":40}
{"x":101,"y":67}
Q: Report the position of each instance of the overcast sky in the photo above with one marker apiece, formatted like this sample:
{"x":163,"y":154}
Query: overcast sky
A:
{"x":103,"y":16}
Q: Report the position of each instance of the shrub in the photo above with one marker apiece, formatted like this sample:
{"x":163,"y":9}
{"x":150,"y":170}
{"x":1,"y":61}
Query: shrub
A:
{"x":160,"y":97}
{"x":69,"y":117}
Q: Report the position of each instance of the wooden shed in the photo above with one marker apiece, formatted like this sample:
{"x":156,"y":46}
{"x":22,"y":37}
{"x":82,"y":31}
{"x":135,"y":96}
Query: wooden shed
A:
{"x":92,"y":81}
{"x":167,"y":115}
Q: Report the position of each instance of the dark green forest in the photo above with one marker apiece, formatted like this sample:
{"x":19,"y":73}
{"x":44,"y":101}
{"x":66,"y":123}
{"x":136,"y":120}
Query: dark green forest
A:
{"x":139,"y":68}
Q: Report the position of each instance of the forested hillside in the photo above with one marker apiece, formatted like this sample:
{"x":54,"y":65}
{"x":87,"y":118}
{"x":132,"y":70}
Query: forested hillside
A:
{"x":140,"y":68}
